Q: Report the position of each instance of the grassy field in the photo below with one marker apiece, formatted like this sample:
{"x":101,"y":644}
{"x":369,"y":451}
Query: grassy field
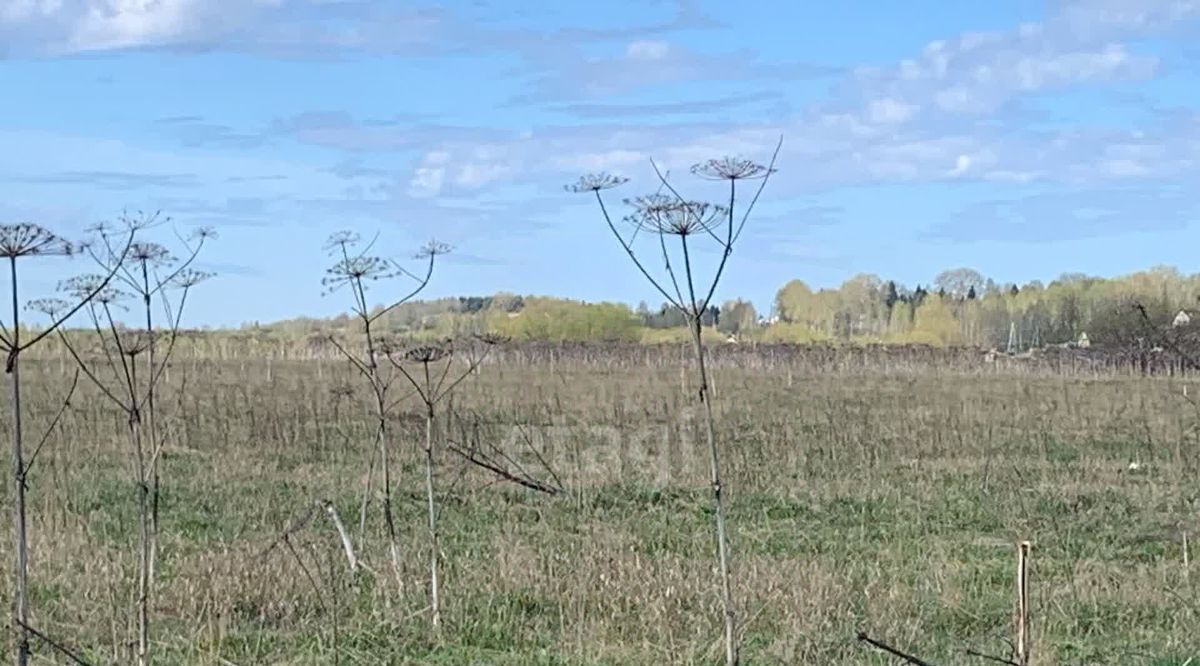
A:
{"x":886,"y":500}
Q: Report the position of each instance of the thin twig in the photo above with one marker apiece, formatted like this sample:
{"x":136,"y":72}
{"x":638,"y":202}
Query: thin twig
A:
{"x":501,"y":472}
{"x":59,"y":647}
{"x":988,"y":657}
{"x":66,"y":404}
{"x":916,"y":661}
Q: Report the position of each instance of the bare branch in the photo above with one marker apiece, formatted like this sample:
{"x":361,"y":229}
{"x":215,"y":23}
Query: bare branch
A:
{"x":916,"y":661}
{"x":66,"y":404}
{"x":58,"y":647}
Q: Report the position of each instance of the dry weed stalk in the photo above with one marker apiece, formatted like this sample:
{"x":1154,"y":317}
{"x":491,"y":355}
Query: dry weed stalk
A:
{"x":661,"y":217}
{"x":433,"y":383}
{"x":19,"y":242}
{"x":147,"y":272}
{"x":123,"y":365}
{"x":355,"y":269}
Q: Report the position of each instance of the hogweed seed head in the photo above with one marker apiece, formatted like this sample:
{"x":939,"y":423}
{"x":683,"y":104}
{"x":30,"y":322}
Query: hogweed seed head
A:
{"x":651,"y":204}
{"x":51,"y":307}
{"x":357,"y":270}
{"x":661,"y":214}
{"x":82,"y":287}
{"x":342,"y":239}
{"x":151,"y":254}
{"x":594,"y":182}
{"x":490,"y":339}
{"x":189,"y":277}
{"x":432,"y":249}
{"x":427,"y":353}
{"x":730,"y":168}
{"x":143,"y":220}
{"x":30,"y":240}
{"x":203,"y":233}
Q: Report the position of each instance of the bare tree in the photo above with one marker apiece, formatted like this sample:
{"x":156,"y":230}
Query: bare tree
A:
{"x":355,"y":269}
{"x":19,"y":242}
{"x":433,"y":382}
{"x":675,"y":226}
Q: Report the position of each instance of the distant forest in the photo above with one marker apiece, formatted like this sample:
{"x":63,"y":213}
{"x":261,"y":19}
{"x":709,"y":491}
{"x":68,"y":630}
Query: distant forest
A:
{"x":960,"y":307}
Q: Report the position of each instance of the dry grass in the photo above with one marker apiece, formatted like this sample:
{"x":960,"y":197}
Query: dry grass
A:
{"x":882,"y":499}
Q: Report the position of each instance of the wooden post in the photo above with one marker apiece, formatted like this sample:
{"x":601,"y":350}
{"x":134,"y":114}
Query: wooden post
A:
{"x":1023,"y":603}
{"x":1186,"y":574}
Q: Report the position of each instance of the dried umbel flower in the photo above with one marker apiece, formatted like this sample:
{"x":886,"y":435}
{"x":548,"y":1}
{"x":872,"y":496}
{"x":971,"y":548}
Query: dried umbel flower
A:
{"x":342,"y":240}
{"x":202,"y":233}
{"x":151,"y":254}
{"x":432,"y":249}
{"x":490,"y":339}
{"x":674,"y":217}
{"x":143,"y":220}
{"x":134,"y":343}
{"x":28,"y":240}
{"x":389,"y":345}
{"x":651,"y":204}
{"x":341,"y":391}
{"x":427,"y":353}
{"x":82,"y":287}
{"x":730,"y":168}
{"x":354,"y":269}
{"x":189,"y":277}
{"x":594,"y":182}
{"x":49,"y":306}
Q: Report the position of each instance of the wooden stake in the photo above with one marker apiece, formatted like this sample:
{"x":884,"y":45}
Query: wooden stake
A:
{"x":1023,"y":603}
{"x":1185,"y":556}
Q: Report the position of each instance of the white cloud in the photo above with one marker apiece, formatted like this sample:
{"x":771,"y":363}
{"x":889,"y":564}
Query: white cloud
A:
{"x":426,"y":182}
{"x":887,"y":111}
{"x":961,"y":164}
{"x":980,"y":72}
{"x":108,"y":24}
{"x":607,"y":160}
{"x":929,"y":117}
{"x":647,"y":49}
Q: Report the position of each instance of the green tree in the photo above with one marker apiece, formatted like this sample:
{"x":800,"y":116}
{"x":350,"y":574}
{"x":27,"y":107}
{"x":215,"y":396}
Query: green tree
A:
{"x":737,"y":316}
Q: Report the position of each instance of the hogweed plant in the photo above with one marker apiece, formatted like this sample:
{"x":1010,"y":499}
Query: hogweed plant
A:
{"x":355,"y":270}
{"x":675,"y":227}
{"x":148,"y":273}
{"x":123,"y":364}
{"x":434,"y":371}
{"x":19,"y":242}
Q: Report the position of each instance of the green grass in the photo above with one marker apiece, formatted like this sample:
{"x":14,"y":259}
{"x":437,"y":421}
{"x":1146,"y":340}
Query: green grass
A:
{"x":886,"y":502}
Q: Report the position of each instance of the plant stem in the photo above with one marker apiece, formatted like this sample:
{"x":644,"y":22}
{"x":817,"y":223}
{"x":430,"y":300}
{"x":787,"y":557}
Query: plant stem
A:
{"x":731,"y":647}
{"x":20,"y":594}
{"x":144,"y":527}
{"x":436,"y":616}
{"x":150,"y":422}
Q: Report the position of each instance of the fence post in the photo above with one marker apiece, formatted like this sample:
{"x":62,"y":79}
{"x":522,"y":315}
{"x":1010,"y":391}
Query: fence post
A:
{"x":1023,"y":603}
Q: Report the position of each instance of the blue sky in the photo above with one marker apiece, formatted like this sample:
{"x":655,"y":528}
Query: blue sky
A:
{"x":1021,"y":138}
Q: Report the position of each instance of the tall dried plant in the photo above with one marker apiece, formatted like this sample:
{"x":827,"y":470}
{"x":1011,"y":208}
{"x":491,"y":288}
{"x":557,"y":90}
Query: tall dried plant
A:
{"x":122,"y":363}
{"x":675,"y":226}
{"x":19,"y":242}
{"x":356,"y":270}
{"x":436,"y":370}
{"x":149,"y":270}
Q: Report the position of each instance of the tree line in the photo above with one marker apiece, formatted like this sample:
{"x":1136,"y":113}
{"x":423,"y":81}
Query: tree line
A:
{"x":958,"y":307}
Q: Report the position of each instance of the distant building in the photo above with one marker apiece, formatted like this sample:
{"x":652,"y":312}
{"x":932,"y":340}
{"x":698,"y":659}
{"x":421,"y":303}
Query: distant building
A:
{"x":1182,"y":318}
